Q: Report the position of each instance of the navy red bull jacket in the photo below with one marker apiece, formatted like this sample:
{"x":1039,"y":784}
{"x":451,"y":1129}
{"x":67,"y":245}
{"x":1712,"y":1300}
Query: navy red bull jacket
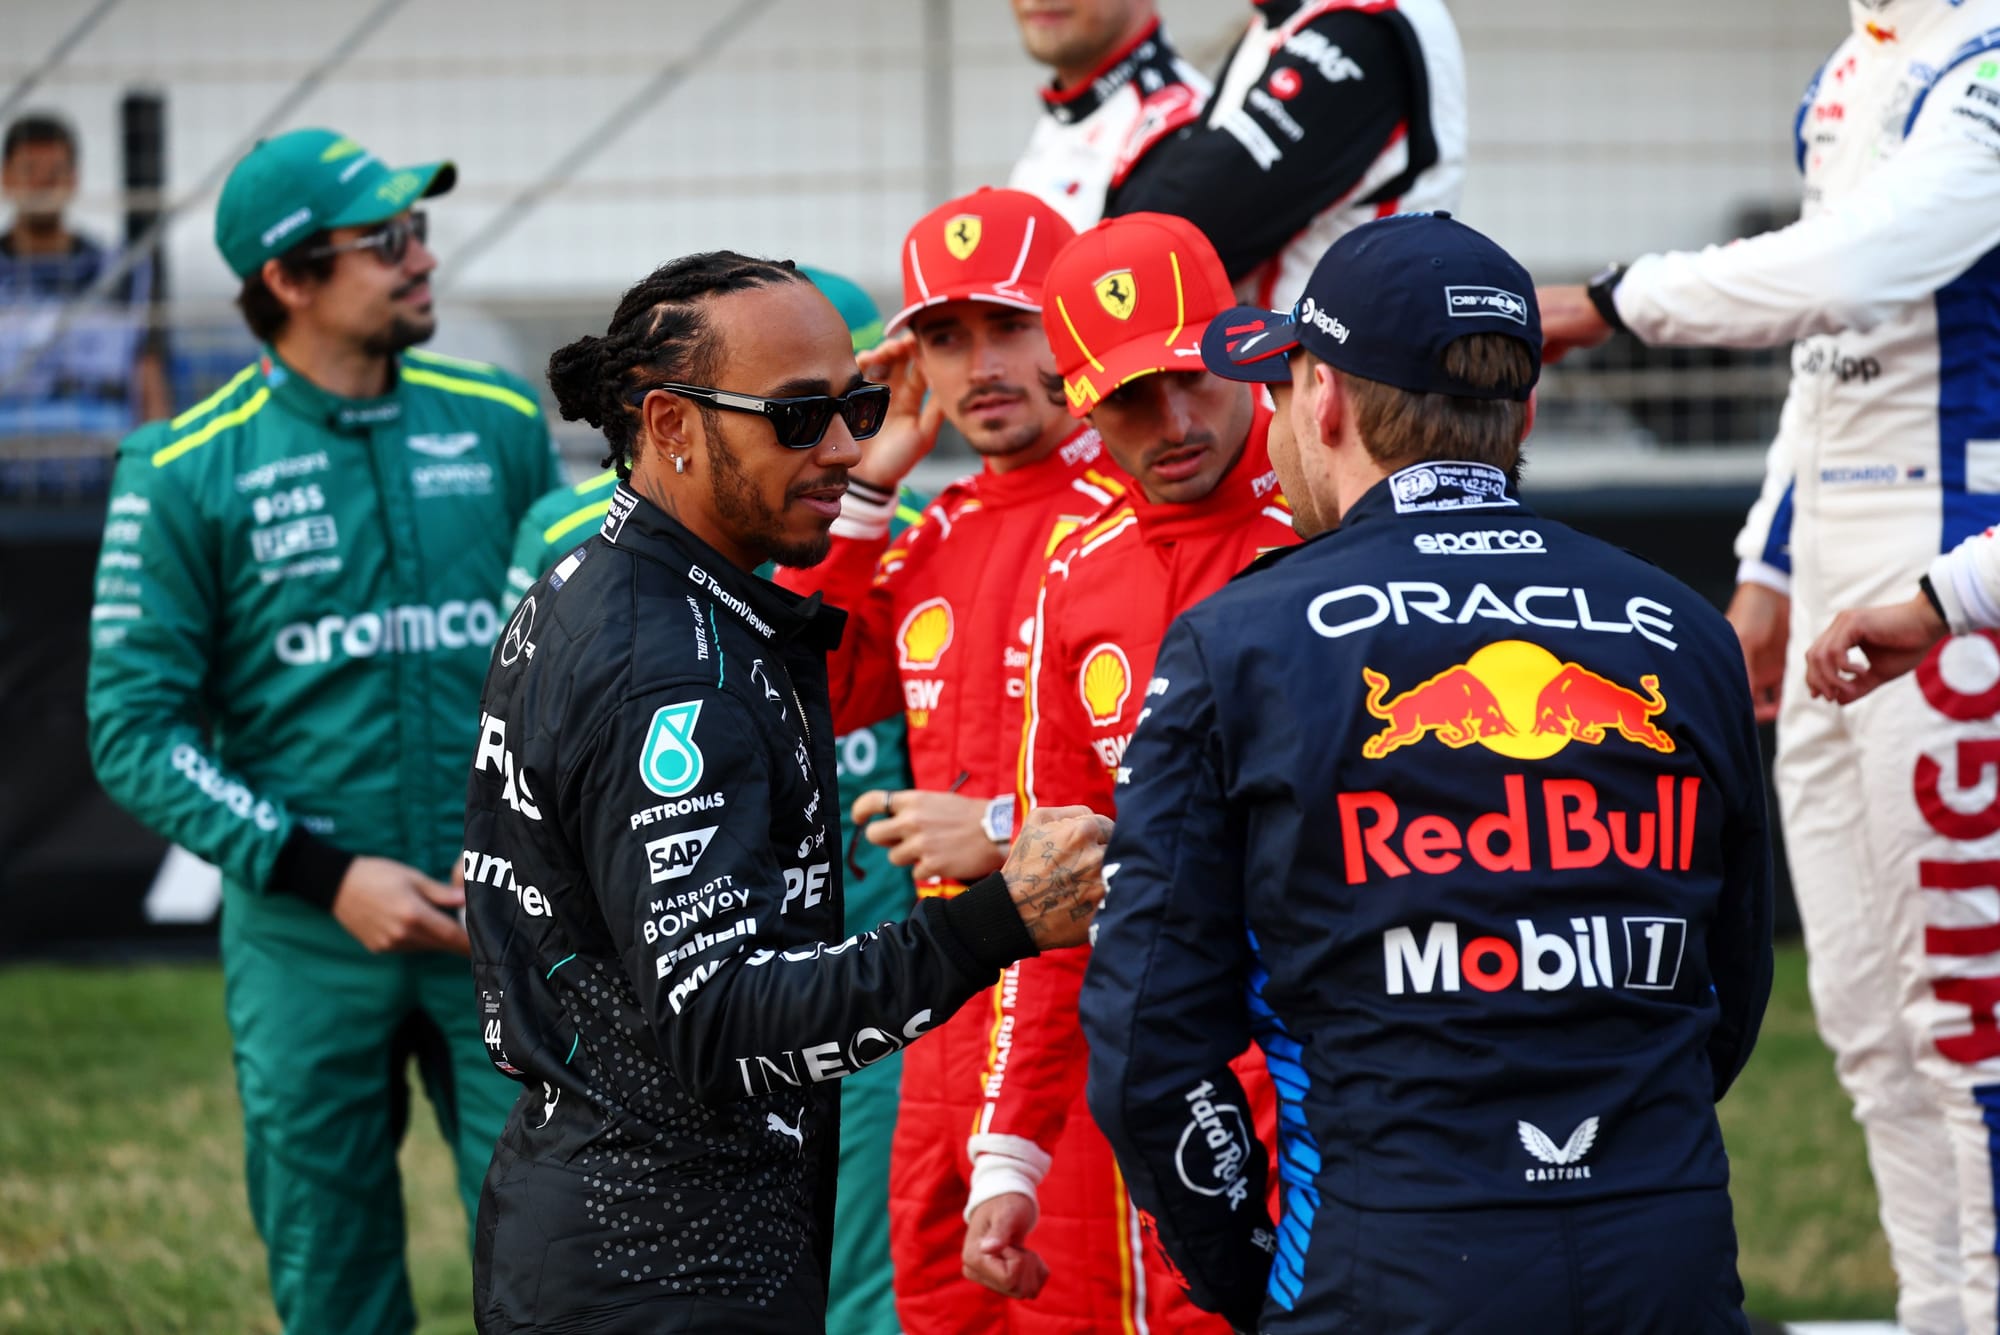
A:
{"x":1460,"y":813}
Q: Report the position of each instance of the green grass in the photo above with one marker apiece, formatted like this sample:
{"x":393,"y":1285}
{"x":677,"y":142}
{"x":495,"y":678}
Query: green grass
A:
{"x":1805,"y":1209}
{"x":121,"y":1172}
{"x":121,"y":1166}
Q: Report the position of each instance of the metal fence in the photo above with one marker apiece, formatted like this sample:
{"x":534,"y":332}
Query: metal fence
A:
{"x":599,"y":137}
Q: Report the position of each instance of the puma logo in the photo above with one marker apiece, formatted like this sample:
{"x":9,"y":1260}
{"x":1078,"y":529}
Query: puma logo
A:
{"x":777,"y":1124}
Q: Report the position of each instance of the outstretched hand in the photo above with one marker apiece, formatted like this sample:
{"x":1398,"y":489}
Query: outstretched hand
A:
{"x":1569,"y":321}
{"x":1056,"y":873}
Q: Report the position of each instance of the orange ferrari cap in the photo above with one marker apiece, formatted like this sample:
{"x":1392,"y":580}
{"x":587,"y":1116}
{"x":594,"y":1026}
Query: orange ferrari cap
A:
{"x":1129,"y":297}
{"x":990,"y":245}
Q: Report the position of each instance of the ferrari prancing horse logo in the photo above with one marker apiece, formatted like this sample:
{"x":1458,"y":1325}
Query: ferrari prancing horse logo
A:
{"x":1117,"y":293}
{"x":961,"y":236}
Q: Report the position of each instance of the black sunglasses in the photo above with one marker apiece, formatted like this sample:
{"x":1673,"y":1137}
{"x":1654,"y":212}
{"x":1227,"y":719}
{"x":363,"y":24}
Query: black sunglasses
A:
{"x":799,"y":422}
{"x":390,"y":241}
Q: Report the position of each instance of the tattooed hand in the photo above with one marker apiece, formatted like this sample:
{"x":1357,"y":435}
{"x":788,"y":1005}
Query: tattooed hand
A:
{"x":1055,"y":872}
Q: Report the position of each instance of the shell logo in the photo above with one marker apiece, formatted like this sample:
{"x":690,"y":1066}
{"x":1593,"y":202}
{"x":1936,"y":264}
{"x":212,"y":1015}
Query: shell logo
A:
{"x":925,"y":635}
{"x":1105,"y":683}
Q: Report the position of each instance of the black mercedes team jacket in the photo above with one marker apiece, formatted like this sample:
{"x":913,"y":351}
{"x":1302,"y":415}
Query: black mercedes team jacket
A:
{"x":654,"y":899}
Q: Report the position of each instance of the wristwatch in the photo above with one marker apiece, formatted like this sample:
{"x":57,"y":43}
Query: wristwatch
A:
{"x":998,"y":820}
{"x":1602,"y":289}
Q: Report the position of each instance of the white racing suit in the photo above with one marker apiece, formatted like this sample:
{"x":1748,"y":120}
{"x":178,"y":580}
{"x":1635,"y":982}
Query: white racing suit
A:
{"x":1089,"y":136}
{"x":1887,"y":453}
{"x":1966,"y":583}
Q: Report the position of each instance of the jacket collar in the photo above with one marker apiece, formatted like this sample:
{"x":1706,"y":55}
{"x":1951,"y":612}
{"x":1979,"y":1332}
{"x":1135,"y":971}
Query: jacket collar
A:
{"x":302,"y":398}
{"x":1249,"y":486}
{"x":1149,"y":49}
{"x":635,"y":524}
{"x":1439,"y":487}
{"x":1033,"y":482}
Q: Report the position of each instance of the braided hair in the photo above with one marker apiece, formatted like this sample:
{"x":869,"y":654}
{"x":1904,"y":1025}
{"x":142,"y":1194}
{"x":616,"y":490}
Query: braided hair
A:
{"x":659,"y":331}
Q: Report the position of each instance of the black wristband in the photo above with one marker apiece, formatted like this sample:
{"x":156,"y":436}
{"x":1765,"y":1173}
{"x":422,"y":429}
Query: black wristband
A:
{"x":1937,"y":604}
{"x":868,"y":491}
{"x":985,"y":922}
{"x":1603,"y":290}
{"x":309,"y":868}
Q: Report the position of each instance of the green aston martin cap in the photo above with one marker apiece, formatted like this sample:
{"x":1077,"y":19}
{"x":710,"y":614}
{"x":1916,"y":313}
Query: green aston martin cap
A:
{"x":300,"y":182}
{"x":856,"y":307}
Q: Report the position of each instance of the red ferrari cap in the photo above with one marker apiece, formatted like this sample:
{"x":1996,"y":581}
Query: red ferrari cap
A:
{"x":1129,"y":297}
{"x":990,"y":245}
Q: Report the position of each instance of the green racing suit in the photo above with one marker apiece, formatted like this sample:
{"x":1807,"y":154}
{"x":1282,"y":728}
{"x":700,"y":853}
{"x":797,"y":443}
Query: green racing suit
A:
{"x":861,"y":1298}
{"x":294,"y":614}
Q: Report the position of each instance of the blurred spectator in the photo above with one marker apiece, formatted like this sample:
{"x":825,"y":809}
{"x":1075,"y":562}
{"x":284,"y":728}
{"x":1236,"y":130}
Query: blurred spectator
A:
{"x":1119,"y":88}
{"x":1328,"y":114}
{"x":68,"y":369}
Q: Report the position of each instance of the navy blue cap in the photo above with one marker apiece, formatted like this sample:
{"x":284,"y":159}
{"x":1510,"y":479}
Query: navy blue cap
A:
{"x":1384,"y":302}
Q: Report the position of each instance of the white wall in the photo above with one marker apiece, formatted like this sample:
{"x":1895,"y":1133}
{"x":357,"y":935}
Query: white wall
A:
{"x":1600,"y":127}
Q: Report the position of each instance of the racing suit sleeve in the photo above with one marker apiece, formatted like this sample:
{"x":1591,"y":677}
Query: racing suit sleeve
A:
{"x":859,"y":576}
{"x":1966,"y":581}
{"x":1915,"y":224}
{"x":1907,"y":230}
{"x":1037,"y":1076}
{"x":1764,"y":543}
{"x":1253,"y":176}
{"x":723,"y":1009}
{"x":152,"y":630}
{"x":1739,"y":938}
{"x":1164,"y":1002}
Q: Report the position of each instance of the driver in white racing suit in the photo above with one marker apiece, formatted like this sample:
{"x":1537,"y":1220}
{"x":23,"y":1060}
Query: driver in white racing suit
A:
{"x":1888,"y":452}
{"x":1117,"y":87}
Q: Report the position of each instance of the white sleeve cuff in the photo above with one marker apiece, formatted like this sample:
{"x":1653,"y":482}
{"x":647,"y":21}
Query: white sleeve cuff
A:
{"x":862,"y":518}
{"x":1962,"y":588}
{"x":1769,"y":576}
{"x":1002,"y":1164}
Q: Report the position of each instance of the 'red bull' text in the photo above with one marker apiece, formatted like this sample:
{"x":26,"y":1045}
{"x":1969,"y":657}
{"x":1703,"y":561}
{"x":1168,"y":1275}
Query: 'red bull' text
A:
{"x":1576,"y":832}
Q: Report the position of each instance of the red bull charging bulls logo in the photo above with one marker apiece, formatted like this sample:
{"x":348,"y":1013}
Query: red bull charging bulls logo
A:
{"x":1517,"y":699}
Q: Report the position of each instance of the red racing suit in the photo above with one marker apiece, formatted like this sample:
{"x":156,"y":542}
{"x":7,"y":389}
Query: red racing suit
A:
{"x":1111,"y":591}
{"x":939,"y":626}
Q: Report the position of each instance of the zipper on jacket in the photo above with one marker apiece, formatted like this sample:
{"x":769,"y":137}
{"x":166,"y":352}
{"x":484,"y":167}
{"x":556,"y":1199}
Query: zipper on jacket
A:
{"x":803,"y":721}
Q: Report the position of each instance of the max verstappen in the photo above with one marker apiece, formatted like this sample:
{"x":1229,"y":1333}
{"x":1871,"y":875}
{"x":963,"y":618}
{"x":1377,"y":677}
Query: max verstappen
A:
{"x":1460,"y":813}
{"x":654,"y":902}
